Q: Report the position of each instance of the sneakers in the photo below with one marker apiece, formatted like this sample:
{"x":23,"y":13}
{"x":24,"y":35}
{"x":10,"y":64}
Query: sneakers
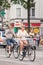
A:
{"x":9,"y":52}
{"x":21,"y":53}
{"x":21,"y":56}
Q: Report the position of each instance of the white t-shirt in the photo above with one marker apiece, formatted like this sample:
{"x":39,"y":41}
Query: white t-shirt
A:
{"x":9,"y":33}
{"x":37,"y":37}
{"x":22,"y":34}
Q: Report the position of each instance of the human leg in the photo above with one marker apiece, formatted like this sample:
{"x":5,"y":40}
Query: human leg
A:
{"x":9,"y":45}
{"x":21,"y":47}
{"x":13,"y":41}
{"x":38,"y":42}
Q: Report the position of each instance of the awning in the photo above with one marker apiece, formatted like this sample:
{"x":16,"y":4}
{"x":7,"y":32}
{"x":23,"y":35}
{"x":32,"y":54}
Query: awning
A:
{"x":35,"y":24}
{"x":26,"y":24}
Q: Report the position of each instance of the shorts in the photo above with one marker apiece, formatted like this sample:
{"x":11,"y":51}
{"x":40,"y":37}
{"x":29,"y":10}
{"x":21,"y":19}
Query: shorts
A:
{"x":10,"y":41}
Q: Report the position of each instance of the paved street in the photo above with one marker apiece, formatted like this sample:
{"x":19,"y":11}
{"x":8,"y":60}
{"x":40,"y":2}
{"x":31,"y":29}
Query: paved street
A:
{"x":13,"y":61}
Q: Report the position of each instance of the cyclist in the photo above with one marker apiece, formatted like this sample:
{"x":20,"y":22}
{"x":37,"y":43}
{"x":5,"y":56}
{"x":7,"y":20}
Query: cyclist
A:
{"x":22,"y":34}
{"x":9,"y":37}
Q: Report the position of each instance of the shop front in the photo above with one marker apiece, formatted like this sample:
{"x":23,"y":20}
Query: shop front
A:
{"x":34,"y":26}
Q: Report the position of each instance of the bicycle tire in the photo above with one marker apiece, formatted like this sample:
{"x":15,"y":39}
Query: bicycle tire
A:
{"x":16,"y":51}
{"x":21,"y":57}
{"x":7,"y":52}
{"x":32,"y":51}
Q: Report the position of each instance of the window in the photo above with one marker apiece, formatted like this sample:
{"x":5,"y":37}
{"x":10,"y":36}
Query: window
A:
{"x":33,"y":11}
{"x":18,"y":12}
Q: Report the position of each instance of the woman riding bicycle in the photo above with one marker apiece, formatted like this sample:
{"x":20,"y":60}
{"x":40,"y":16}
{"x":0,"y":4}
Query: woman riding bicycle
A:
{"x":9,"y":37}
{"x":22,"y":34}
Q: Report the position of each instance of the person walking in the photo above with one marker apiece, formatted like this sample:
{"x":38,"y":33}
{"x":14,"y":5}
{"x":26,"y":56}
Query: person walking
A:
{"x":38,"y":39}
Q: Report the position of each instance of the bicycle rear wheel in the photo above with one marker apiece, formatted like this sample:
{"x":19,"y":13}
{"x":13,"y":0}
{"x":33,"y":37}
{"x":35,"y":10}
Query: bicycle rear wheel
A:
{"x":7,"y":51}
{"x":32,"y":54}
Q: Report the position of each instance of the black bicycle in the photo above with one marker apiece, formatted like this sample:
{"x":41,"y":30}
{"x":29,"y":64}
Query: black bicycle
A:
{"x":12,"y":50}
{"x":27,"y":50}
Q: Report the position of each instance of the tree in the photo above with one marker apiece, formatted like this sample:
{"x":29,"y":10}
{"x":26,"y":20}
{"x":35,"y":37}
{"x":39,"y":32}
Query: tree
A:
{"x":26,"y":4}
{"x":4,"y":4}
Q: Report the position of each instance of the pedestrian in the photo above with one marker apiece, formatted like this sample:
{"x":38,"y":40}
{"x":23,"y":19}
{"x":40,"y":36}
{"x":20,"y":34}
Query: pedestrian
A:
{"x":31,"y":33}
{"x":38,"y":39}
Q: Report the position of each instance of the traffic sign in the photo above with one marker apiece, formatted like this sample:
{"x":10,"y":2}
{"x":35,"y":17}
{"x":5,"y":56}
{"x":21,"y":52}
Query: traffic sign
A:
{"x":2,"y":12}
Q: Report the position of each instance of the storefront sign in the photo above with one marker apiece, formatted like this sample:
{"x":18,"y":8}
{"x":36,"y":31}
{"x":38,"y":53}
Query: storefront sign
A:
{"x":35,"y":24}
{"x":26,"y":24}
{"x":17,"y":24}
{"x":32,"y":24}
{"x":36,"y":30}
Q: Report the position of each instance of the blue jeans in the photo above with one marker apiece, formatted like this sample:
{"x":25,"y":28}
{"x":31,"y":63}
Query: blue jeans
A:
{"x":38,"y":41}
{"x":10,"y":41}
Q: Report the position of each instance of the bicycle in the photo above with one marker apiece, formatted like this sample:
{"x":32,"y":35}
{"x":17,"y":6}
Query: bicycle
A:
{"x":27,"y":50}
{"x":12,"y":50}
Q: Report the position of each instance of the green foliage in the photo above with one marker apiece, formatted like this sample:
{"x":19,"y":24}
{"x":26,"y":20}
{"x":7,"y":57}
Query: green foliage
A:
{"x":1,"y":1}
{"x":21,"y":2}
{"x":4,"y":4}
{"x":24,"y":3}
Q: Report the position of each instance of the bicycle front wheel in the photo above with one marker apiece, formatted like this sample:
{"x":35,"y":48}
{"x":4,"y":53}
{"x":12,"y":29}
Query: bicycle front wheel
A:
{"x":32,"y":54}
{"x":16,"y":51}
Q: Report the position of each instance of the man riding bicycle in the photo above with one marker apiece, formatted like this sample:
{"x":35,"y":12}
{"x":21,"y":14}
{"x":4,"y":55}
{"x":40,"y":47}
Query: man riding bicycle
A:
{"x":9,"y":37}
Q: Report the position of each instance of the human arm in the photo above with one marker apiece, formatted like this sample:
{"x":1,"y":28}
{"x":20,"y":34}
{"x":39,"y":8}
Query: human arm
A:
{"x":19,"y":34}
{"x":26,"y":34}
{"x":6,"y":33}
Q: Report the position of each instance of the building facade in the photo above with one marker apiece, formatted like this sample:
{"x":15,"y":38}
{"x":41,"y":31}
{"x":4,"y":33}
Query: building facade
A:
{"x":16,"y":13}
{"x":39,"y":8}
